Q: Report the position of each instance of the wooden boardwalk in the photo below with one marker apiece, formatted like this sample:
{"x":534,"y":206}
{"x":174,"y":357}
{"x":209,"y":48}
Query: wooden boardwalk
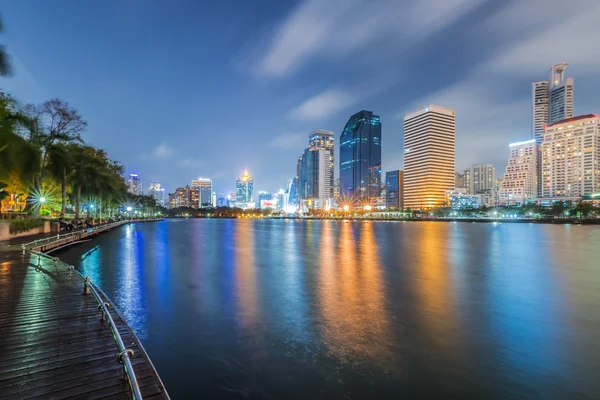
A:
{"x":52,"y":342}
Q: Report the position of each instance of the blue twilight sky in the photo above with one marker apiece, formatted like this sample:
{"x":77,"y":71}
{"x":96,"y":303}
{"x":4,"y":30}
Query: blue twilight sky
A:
{"x":181,"y":89}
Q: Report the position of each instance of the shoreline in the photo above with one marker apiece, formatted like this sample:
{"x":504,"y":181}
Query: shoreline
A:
{"x":556,"y":221}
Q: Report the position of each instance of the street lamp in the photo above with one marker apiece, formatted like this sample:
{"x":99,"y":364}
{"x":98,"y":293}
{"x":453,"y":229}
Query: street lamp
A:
{"x":346,"y":207}
{"x":129,"y":208}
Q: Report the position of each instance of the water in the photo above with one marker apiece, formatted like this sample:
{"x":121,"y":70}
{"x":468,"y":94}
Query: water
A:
{"x":270,"y":309}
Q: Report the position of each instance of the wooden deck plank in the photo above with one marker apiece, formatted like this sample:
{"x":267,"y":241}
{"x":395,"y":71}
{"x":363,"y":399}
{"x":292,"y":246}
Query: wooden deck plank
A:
{"x":52,"y":342}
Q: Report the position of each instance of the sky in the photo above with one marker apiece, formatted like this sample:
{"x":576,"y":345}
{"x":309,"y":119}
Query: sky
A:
{"x":179,"y":89}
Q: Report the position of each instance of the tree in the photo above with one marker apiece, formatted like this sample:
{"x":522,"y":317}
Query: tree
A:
{"x":58,"y":162}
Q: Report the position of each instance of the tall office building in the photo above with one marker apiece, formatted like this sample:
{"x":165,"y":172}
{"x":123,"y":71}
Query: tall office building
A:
{"x":324,"y":140}
{"x":204,"y":187}
{"x":394,"y":189}
{"x":552,"y":100}
{"x":571,"y":157}
{"x":360,"y":156}
{"x":519,"y":185}
{"x":480,"y":178}
{"x":428,"y":157}
{"x":244,"y":189}
{"x":315,"y":177}
{"x":134,"y":185}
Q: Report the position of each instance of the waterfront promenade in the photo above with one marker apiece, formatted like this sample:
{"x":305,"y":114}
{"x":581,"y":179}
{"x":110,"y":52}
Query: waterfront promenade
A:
{"x":54,"y":341}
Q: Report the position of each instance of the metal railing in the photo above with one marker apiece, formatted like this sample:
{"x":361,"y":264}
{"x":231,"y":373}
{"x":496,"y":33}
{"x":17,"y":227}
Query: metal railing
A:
{"x":125,"y":354}
{"x":66,"y":236}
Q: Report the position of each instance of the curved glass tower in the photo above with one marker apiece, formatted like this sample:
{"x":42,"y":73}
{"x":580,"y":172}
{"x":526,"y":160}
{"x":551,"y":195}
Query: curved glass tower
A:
{"x":360,"y":156}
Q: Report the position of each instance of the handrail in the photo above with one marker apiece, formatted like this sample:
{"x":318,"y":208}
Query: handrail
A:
{"x":65,"y":236}
{"x":125,"y":354}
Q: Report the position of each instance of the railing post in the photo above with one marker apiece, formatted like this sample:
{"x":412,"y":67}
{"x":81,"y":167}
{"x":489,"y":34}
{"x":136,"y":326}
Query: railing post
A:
{"x":86,"y":286}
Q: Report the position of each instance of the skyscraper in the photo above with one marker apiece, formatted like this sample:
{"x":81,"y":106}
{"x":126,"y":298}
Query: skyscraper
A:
{"x":244,"y":189}
{"x":204,"y":187}
{"x":552,"y":100}
{"x":571,"y":157}
{"x":428,"y":157}
{"x":519,"y":185}
{"x":360,"y":156}
{"x":315,"y":177}
{"x":324,"y":140}
{"x":134,"y":185}
{"x":394,"y":189}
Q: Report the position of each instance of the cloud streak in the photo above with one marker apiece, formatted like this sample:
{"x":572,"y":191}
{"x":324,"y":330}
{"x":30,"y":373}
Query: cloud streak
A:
{"x":338,"y":28}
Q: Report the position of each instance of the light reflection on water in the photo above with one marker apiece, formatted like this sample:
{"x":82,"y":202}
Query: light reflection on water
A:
{"x":326,"y":309}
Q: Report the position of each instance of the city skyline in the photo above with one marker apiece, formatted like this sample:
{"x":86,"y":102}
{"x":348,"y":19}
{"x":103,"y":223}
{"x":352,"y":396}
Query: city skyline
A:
{"x":253,"y":80}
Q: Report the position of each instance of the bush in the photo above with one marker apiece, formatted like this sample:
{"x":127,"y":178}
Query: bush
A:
{"x":23,"y":225}
{"x":45,"y":212}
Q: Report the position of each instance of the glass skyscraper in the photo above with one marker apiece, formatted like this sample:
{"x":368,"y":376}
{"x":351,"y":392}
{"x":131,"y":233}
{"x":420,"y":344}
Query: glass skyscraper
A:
{"x":243,"y":189}
{"x":394,"y":189}
{"x":360,"y":156}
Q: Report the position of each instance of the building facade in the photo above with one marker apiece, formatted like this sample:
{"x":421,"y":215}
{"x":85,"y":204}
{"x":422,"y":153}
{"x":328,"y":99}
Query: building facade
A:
{"x":134,"y":185}
{"x":552,"y":100}
{"x":204,"y":188}
{"x":244,"y":187}
{"x":459,"y":180}
{"x":314,"y":179}
{"x":480,"y":178}
{"x":519,"y":185}
{"x":428,"y":157}
{"x":324,"y":140}
{"x":571,"y":157}
{"x":394,"y":189}
{"x":157,"y":192}
{"x":181,"y":197}
{"x":360,"y":157}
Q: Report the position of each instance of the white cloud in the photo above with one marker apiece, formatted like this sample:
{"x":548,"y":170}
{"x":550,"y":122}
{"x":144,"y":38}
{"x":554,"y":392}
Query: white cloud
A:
{"x":163,"y":150}
{"x":567,"y":34}
{"x":289,"y":141}
{"x":335,"y":28}
{"x":323,"y":104}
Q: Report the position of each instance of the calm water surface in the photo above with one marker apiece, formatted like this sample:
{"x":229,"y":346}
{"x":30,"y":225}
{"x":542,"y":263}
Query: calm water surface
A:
{"x":298,"y":309}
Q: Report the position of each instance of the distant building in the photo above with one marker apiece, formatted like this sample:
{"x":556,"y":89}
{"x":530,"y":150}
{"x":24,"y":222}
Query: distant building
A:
{"x":194,"y":197}
{"x":480,"y":178}
{"x":134,"y":184}
{"x":428,"y":157}
{"x":360,"y":156}
{"x":181,"y":198}
{"x":262,"y":195}
{"x":157,"y":192}
{"x":204,"y":188}
{"x":394,"y":189}
{"x":244,"y":191}
{"x":314,"y":179}
{"x":571,"y":157}
{"x":463,"y":201}
{"x":519,"y":185}
{"x":459,"y":180}
{"x":221,"y":202}
{"x":324,"y":140}
{"x":552,"y":100}
{"x":292,"y":194}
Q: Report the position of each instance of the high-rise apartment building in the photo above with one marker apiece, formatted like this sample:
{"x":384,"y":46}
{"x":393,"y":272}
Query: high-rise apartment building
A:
{"x":204,"y":188}
{"x":428,"y":157}
{"x":480,"y":178}
{"x":134,"y":185}
{"x":360,"y":156}
{"x":519,"y":185}
{"x":394,"y":189}
{"x":571,"y":157}
{"x":552,"y":100}
{"x":324,"y":140}
{"x":244,"y":189}
{"x":181,"y":197}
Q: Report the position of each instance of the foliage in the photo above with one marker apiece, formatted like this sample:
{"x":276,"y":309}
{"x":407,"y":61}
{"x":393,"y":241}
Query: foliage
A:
{"x":23,"y":225}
